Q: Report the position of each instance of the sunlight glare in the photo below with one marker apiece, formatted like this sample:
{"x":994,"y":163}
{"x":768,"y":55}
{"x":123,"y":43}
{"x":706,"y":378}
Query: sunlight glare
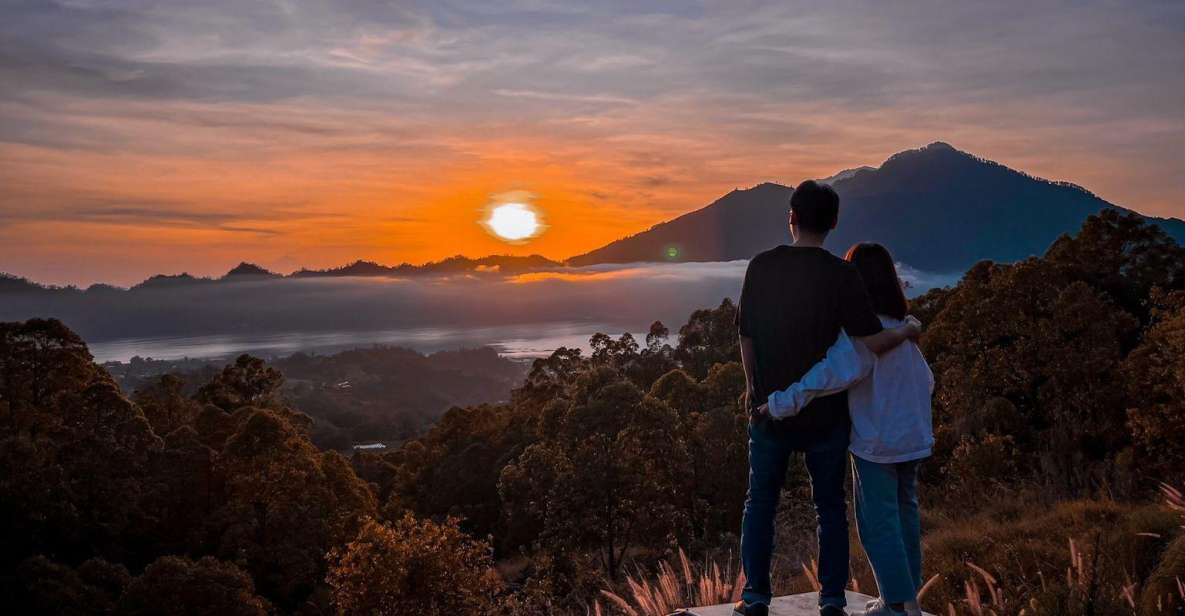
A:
{"x":513,"y":222}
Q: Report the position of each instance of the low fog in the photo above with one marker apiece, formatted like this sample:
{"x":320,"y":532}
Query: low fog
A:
{"x":611,"y":298}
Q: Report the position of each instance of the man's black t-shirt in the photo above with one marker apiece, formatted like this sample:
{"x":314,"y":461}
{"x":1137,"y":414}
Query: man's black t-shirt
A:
{"x":793,"y":304}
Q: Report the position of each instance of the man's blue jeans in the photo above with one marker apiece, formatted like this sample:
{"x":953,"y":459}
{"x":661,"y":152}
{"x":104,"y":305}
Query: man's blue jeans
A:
{"x":827,"y":463}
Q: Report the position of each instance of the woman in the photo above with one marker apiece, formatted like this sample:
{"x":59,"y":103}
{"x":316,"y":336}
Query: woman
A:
{"x":889,"y":401}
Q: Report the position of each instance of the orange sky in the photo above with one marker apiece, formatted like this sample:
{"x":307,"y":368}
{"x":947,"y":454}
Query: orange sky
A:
{"x":188,"y":140}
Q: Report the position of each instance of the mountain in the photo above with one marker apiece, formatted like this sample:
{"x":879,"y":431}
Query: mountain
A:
{"x":493,"y":264}
{"x":735,"y":226}
{"x":936,"y":208}
{"x":248,"y":270}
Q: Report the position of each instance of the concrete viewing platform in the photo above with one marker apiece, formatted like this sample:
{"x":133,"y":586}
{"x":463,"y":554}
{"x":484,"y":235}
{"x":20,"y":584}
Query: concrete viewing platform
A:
{"x":805,"y":604}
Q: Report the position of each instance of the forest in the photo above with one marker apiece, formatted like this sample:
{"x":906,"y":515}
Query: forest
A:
{"x":612,"y":482}
{"x":365,"y":395}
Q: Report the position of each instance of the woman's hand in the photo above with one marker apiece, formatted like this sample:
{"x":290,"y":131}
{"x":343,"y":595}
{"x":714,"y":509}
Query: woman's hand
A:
{"x":913,"y":327}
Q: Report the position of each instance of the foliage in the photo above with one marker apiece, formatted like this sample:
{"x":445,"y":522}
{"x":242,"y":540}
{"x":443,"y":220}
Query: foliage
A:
{"x":1038,"y":354}
{"x":247,"y":382}
{"x":177,"y":586}
{"x":614,"y":460}
{"x":165,"y":404}
{"x":1155,"y":375}
{"x":47,"y":587}
{"x":413,"y":567}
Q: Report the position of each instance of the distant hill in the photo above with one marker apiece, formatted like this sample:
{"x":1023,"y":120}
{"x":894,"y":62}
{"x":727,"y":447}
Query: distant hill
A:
{"x":499,"y":264}
{"x":489,"y":265}
{"x":937,"y":208}
{"x":249,"y":270}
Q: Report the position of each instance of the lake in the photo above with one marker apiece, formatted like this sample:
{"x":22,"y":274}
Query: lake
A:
{"x":516,"y":341}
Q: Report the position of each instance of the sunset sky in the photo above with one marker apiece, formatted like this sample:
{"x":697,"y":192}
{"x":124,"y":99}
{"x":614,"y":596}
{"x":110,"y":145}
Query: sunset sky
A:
{"x":149,"y":137}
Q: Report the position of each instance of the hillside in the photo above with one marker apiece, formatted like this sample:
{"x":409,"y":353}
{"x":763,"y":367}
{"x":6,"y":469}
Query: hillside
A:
{"x":937,"y":208}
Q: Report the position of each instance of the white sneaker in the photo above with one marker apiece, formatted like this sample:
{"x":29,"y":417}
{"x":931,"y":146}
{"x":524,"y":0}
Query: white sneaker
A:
{"x":876,"y":607}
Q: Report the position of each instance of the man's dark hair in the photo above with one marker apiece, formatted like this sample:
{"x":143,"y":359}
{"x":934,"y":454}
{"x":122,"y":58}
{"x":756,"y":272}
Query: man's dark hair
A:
{"x":815,"y":206}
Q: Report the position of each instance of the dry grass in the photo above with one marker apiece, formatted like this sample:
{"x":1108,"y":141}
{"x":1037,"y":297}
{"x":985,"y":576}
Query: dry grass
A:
{"x":674,"y":586}
{"x":1127,"y":565}
{"x":1173,"y":498}
{"x":1087,"y":557}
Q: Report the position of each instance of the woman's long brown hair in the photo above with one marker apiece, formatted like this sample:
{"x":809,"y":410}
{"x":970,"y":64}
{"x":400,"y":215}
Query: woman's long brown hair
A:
{"x":875,"y":265}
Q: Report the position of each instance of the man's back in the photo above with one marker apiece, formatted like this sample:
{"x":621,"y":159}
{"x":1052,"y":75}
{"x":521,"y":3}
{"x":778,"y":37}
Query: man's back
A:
{"x":793,"y":304}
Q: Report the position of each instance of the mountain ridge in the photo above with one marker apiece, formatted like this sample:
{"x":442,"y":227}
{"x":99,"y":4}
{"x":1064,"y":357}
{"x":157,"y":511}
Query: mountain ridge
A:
{"x":246,"y":271}
{"x":936,"y":207}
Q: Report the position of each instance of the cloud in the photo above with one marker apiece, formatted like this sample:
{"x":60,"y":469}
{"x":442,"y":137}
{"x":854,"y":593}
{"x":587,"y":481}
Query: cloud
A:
{"x":572,"y":98}
{"x":625,"y":112}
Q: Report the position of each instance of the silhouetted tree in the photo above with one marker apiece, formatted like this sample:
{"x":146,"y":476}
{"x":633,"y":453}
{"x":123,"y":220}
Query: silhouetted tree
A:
{"x":165,"y":405}
{"x":45,"y":587}
{"x":247,"y":382}
{"x":708,"y":338}
{"x":284,"y":511}
{"x":178,"y":586}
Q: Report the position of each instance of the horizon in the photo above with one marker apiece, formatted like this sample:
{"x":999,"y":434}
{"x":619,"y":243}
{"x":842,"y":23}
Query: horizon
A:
{"x":213,"y":273}
{"x":140,"y":139}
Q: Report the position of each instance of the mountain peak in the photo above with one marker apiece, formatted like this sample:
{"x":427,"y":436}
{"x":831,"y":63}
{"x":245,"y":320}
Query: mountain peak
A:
{"x":248,"y":269}
{"x":937,"y":208}
{"x":940,"y":145}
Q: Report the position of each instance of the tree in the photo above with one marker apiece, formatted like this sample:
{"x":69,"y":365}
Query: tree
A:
{"x":712,"y":426}
{"x":1123,"y":256}
{"x":1155,"y":375}
{"x":657,"y":336}
{"x":46,"y":587}
{"x":550,"y":377}
{"x":287,"y":505}
{"x":413,"y":568}
{"x":616,"y":456}
{"x":105,"y":452}
{"x":40,"y":360}
{"x":165,"y":405}
{"x":178,"y":586}
{"x":247,"y":382}
{"x":1050,"y":345}
{"x":709,"y":337}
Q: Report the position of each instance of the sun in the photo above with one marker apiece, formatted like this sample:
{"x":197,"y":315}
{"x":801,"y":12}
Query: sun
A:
{"x":513,"y":222}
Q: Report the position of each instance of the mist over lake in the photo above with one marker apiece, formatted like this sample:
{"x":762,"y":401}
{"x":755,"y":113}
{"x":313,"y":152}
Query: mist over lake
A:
{"x":521,"y":315}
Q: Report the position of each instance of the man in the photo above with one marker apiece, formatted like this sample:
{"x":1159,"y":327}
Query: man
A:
{"x":794,"y":302}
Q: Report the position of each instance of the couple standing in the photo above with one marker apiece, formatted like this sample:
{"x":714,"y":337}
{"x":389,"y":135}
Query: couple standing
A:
{"x":821,"y":336}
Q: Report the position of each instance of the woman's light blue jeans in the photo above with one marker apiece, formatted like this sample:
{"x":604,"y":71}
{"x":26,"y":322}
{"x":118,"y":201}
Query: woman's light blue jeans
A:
{"x":889,"y":525}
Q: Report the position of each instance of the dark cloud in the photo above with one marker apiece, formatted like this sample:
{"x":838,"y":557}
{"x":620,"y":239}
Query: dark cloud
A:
{"x":165,"y":213}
